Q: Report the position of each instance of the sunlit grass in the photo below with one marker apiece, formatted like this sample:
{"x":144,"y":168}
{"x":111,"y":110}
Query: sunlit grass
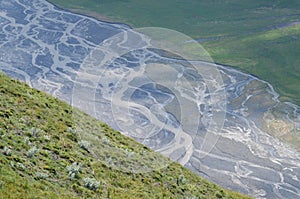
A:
{"x":43,"y":155}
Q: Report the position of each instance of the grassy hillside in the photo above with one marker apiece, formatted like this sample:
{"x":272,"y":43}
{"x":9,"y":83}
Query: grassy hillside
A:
{"x":234,"y":32}
{"x":42,"y":155}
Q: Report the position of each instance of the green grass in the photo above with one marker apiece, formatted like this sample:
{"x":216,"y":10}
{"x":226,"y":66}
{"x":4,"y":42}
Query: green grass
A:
{"x":239,"y":31}
{"x":275,"y":58}
{"x":30,"y":119}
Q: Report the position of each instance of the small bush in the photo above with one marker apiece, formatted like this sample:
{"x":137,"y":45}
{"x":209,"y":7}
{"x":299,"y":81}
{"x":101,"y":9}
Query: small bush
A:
{"x":27,"y":141}
{"x":20,"y":166}
{"x":41,"y":176}
{"x":105,"y":140}
{"x":84,"y":145}
{"x":181,"y":180}
{"x":12,"y":164}
{"x":91,"y":183}
{"x":31,"y":152}
{"x":7,"y":151}
{"x":46,"y":137}
{"x":74,"y":169}
{"x":35,"y":132}
{"x":73,"y":131}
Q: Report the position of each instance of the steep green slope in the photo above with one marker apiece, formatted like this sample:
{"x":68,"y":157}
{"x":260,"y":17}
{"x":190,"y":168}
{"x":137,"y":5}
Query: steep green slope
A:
{"x":229,"y":31}
{"x":42,"y":155}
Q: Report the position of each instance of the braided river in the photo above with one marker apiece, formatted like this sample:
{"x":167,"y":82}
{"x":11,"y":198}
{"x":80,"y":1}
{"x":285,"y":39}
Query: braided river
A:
{"x":224,"y":124}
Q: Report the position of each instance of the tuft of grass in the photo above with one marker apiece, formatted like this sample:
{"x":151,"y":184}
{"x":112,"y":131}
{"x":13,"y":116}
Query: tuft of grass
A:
{"x":84,"y":145}
{"x":91,"y":183}
{"x":41,"y":176}
{"x":74,"y":169}
{"x":32,"y":151}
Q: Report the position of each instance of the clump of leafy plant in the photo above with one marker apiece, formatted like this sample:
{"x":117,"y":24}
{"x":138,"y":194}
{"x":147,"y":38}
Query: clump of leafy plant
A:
{"x":84,"y":145}
{"x":91,"y":183}
{"x":181,"y":180}
{"x":35,"y":132}
{"x":7,"y":151}
{"x":41,"y":175}
{"x":20,"y":166}
{"x":105,"y":140}
{"x":46,"y":137}
{"x":27,"y":141}
{"x":74,"y":169}
{"x":32,"y":151}
{"x":72,"y":131}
